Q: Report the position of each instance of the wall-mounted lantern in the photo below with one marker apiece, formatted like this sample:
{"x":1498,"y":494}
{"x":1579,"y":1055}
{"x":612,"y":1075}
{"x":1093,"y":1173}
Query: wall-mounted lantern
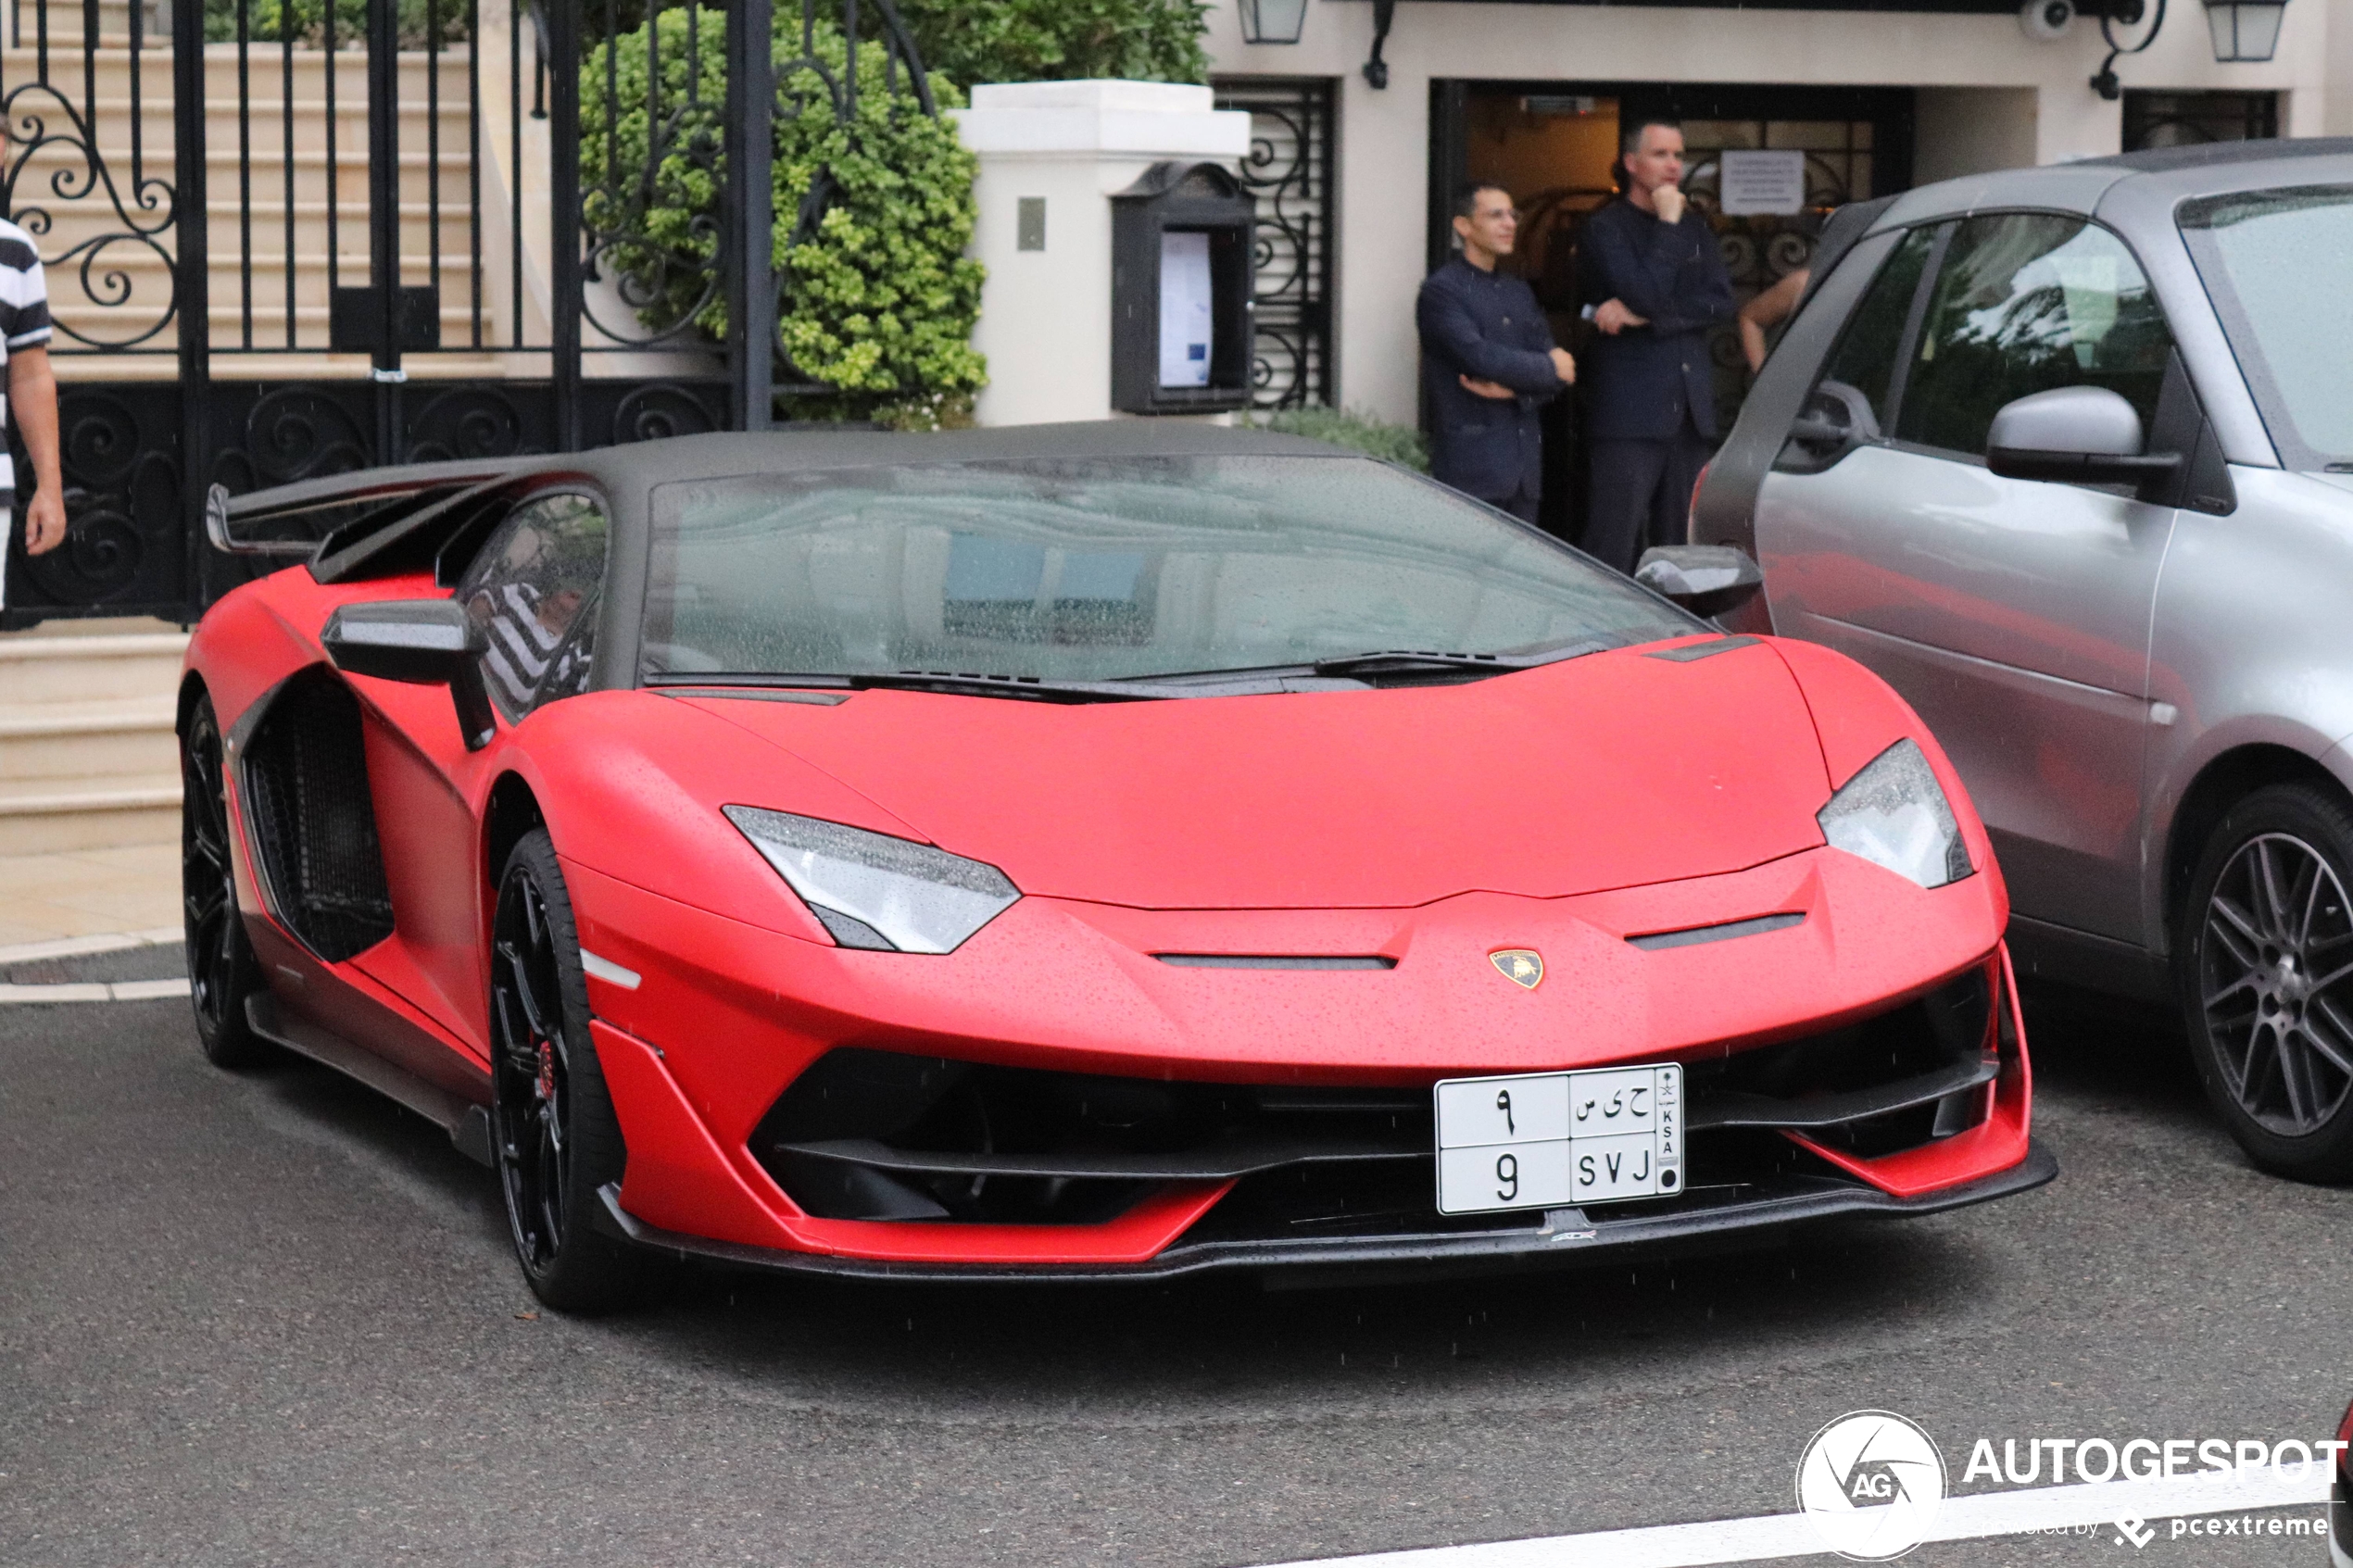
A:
{"x":2245,"y":31}
{"x":1272,"y":22}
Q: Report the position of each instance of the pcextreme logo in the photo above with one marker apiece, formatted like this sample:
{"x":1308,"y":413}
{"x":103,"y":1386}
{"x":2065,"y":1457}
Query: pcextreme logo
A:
{"x":1870,"y":1484}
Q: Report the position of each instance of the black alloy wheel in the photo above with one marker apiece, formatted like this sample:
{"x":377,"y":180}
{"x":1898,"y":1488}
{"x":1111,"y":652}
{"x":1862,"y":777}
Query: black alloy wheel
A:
{"x":2267,"y":979}
{"x":554,"y":1136}
{"x":222,"y":970}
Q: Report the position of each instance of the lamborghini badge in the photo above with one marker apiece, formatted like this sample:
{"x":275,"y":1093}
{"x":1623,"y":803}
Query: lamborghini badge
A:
{"x":1521,"y":966}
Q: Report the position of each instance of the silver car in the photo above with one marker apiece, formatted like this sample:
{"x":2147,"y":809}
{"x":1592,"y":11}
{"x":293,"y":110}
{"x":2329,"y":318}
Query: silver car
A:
{"x":2066,"y":454}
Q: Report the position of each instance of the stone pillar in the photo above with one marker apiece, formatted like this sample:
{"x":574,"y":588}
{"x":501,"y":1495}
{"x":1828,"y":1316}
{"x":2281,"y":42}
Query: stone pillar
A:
{"x":1051,"y":153}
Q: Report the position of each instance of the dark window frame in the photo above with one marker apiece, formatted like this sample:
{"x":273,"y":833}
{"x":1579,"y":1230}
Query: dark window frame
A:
{"x":1900,"y":381}
{"x":586,"y":621}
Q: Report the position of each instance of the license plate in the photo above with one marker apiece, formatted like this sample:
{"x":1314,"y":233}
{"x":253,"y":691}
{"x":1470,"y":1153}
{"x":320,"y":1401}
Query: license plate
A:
{"x":1551,"y":1140}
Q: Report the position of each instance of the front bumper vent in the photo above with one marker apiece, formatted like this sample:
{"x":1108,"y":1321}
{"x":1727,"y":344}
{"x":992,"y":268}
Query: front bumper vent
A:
{"x":873,"y":1134}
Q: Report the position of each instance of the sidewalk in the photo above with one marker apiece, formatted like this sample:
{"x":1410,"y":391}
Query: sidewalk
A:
{"x":88,"y":893}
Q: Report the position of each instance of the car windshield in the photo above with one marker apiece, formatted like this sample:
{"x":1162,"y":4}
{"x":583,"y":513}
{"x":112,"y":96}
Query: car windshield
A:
{"x":2279,"y":265}
{"x":1107,"y":568}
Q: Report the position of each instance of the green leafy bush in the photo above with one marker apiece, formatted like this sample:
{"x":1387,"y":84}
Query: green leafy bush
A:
{"x":1356,"y":431}
{"x":880,"y":301}
{"x":269,"y":21}
{"x":971,"y":42}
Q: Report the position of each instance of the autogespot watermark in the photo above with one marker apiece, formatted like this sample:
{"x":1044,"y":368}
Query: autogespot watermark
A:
{"x":1873,"y":1484}
{"x":2141,"y":1459}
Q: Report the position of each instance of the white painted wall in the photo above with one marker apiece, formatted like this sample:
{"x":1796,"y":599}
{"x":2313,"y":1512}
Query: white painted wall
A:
{"x":1045,"y":315}
{"x":1384,"y":136}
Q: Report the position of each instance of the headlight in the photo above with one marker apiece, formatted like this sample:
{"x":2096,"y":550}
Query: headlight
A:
{"x":1894,"y":814}
{"x":871,"y":890}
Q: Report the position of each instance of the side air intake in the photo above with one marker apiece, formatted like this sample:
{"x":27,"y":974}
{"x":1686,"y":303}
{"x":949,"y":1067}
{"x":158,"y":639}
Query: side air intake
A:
{"x":304,"y":773}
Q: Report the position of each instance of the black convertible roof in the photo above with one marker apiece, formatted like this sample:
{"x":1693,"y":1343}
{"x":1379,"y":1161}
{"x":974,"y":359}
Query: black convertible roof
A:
{"x":386,"y":521}
{"x":647,"y":463}
{"x":374,"y":523}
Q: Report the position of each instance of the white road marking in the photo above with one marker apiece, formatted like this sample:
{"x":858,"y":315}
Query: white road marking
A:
{"x":92,"y":991}
{"x":78,"y":946}
{"x":1788,"y":1535}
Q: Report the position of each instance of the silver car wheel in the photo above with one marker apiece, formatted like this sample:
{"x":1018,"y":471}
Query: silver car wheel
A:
{"x":2277,"y":984}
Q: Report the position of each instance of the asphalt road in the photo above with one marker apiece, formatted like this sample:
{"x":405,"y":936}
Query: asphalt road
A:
{"x":270,"y":1319}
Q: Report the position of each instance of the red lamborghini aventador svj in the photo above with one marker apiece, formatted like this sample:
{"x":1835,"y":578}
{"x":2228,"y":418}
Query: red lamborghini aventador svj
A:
{"x":1084,"y":852}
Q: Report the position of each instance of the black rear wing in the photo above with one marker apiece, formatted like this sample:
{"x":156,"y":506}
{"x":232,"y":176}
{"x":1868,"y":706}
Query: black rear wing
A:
{"x":374,"y":523}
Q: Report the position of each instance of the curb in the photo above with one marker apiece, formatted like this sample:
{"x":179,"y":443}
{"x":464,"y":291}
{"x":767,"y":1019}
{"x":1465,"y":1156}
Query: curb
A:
{"x":92,"y":990}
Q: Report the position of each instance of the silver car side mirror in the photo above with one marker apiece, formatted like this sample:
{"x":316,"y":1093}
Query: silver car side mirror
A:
{"x":422,"y":642}
{"x":1707,"y":579}
{"x":2074,"y":434}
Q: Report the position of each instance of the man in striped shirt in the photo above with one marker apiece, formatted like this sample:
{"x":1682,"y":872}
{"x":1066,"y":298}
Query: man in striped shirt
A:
{"x":31,"y":399}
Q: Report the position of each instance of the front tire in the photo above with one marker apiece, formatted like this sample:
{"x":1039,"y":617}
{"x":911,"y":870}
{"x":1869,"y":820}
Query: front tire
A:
{"x":2266,"y":976}
{"x":222,"y":972}
{"x":555,"y":1139}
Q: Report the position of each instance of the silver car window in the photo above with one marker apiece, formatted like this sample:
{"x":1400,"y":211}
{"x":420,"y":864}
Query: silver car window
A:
{"x":2279,"y":267}
{"x":2026,"y":302}
{"x":1874,"y":335}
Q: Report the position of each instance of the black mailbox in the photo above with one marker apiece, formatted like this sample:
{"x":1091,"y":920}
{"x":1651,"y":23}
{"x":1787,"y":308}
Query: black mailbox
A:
{"x":1182,"y":240}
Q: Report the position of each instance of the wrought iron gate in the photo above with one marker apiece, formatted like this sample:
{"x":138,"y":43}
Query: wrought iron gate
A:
{"x":376,"y":235}
{"x":1289,"y":171}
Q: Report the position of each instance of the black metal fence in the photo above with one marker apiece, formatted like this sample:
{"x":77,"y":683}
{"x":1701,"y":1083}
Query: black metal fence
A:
{"x":1291,"y":172}
{"x":286,"y":238}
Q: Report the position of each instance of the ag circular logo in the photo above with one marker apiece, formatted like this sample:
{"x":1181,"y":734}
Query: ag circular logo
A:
{"x":1870,"y":1484}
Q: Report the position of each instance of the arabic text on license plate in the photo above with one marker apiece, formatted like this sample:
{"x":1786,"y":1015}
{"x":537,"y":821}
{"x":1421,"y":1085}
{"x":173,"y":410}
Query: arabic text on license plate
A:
{"x":1548,"y":1140}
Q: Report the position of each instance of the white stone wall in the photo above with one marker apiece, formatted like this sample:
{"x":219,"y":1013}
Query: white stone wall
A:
{"x":1045,"y":315}
{"x":1991,"y":98}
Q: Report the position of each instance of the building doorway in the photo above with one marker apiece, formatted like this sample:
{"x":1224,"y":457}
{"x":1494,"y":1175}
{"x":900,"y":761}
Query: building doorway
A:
{"x":1554,"y":145}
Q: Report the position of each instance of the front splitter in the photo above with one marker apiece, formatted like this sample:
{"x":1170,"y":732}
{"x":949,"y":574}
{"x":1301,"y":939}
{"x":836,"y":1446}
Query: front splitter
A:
{"x":1429,"y":1255}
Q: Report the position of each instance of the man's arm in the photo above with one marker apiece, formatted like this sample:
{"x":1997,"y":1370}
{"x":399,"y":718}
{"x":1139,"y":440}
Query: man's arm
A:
{"x":33,"y":404}
{"x":1635,"y":261}
{"x":1766,"y":311}
{"x":1535,"y":329}
{"x":1447,"y":329}
{"x":1617,"y":245}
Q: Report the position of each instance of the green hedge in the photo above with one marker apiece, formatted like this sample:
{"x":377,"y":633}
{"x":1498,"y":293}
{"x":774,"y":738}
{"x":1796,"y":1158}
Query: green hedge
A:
{"x":266,"y":21}
{"x":1358,"y":431}
{"x":881,"y":301}
{"x":971,"y":42}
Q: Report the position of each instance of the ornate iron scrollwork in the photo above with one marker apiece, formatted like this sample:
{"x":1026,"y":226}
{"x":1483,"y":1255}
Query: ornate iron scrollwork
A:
{"x":661,"y":264}
{"x":291,"y":433}
{"x":469,"y":422}
{"x":659,"y":411}
{"x":140,"y":220}
{"x":1288,"y":173}
{"x":122,"y":491}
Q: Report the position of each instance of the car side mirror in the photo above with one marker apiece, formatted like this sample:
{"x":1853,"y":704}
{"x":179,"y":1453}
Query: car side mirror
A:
{"x":2075,"y":435}
{"x":1704,"y":579}
{"x":422,"y":642}
{"x":1835,"y":420}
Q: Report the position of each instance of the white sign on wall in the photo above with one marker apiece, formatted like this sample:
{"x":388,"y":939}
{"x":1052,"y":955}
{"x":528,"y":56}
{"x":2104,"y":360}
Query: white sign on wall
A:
{"x":1184,"y":309}
{"x":1755,"y":183}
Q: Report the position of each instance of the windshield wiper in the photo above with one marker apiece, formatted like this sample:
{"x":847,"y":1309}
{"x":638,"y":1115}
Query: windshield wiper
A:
{"x":1375,"y":664}
{"x":1412,"y":662}
{"x":1029,"y":688}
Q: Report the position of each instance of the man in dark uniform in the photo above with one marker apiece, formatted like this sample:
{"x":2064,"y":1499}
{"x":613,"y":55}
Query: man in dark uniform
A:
{"x":1488,"y":362}
{"x":1654,"y":284}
